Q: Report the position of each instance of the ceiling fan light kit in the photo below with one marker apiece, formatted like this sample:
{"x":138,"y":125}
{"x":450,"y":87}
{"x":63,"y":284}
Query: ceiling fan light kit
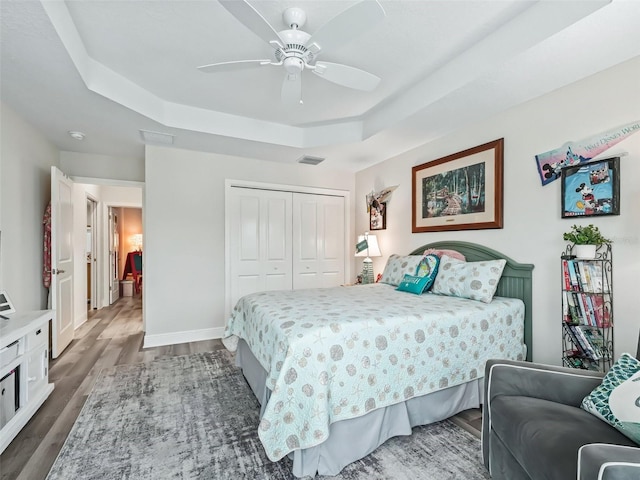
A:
{"x":297,"y":50}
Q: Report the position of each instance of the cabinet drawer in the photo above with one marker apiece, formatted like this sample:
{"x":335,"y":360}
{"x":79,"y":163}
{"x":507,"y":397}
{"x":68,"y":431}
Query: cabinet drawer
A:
{"x":38,"y":337}
{"x":37,"y":371}
{"x":9,"y":353}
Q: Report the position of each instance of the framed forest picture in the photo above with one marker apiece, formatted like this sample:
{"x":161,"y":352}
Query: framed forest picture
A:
{"x":463,"y":191}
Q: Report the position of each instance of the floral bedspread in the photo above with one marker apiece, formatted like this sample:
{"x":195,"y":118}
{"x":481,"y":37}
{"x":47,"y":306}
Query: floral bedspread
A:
{"x":337,"y":353}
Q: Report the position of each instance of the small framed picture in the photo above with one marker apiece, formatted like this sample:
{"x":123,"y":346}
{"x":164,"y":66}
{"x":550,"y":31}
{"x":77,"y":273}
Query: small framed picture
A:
{"x":6,"y":306}
{"x":378,"y":216}
{"x":591,"y":189}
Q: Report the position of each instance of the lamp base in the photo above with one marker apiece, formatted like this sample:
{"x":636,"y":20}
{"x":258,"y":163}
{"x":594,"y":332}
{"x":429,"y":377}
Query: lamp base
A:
{"x":367,"y":271}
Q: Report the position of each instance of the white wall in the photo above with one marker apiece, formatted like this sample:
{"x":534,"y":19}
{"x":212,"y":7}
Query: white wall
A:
{"x":25,"y":189}
{"x":102,"y":166}
{"x":533,"y":228}
{"x":184,"y":281}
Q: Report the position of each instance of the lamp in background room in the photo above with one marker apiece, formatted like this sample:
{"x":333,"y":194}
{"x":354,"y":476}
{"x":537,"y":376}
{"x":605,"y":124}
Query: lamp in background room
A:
{"x":136,"y":241}
{"x":367,"y":246}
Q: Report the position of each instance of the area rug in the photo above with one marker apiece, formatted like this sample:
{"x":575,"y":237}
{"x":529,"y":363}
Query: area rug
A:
{"x":195,"y":417}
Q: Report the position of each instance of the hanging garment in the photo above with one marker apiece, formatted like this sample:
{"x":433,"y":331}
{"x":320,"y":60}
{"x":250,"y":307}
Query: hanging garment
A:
{"x":46,"y":270}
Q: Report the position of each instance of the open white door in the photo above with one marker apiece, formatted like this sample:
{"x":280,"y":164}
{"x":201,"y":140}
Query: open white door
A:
{"x":114,"y":257}
{"x":61,"y":261}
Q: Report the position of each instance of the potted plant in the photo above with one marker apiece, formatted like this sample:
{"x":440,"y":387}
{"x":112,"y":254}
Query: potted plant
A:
{"x":586,"y":240}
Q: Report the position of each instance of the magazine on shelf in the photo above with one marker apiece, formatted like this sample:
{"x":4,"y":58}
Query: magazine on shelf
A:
{"x":596,"y":341}
{"x":596,"y":277}
{"x":584,"y":286}
{"x":565,"y":274}
{"x":583,"y":343}
{"x":573,"y":279}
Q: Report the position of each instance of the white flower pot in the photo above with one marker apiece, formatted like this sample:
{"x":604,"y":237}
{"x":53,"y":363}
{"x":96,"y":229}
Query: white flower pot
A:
{"x":585,"y":252}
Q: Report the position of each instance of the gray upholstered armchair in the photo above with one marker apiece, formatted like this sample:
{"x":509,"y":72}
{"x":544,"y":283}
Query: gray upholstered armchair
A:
{"x":533,"y":426}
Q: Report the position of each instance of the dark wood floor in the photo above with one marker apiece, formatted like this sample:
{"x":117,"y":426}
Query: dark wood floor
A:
{"x":111,"y":336}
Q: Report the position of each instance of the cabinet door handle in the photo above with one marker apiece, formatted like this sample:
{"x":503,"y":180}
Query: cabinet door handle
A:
{"x":39,"y":331}
{"x":32,"y":379}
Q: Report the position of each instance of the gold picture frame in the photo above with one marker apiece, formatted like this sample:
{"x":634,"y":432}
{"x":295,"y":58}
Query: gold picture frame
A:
{"x":462,"y":191}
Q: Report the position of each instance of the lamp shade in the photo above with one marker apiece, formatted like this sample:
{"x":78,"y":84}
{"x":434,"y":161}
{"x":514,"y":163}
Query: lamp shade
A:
{"x":372,"y":250}
{"x":136,"y":241}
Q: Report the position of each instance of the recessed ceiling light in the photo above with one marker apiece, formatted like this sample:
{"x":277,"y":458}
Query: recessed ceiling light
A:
{"x":76,"y":135}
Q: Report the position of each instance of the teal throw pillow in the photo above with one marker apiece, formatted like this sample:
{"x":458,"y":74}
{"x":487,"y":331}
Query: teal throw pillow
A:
{"x":413,"y":284}
{"x":428,"y":267}
{"x":617,"y":399}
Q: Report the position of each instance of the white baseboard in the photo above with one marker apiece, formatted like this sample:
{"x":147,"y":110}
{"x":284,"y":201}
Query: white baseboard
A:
{"x":173,"y":338}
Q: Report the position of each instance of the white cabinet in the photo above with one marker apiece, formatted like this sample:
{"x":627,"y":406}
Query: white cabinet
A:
{"x":24,"y":370}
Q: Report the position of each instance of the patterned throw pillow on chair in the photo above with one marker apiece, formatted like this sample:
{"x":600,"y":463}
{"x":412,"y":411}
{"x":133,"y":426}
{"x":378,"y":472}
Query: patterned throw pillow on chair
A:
{"x":617,"y":399}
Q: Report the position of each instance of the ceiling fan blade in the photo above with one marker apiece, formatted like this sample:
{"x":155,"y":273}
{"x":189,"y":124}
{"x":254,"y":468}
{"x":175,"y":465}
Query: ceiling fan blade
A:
{"x":347,"y":25}
{"x":346,"y":76}
{"x":246,"y":14}
{"x":232,"y":66}
{"x":292,"y":89}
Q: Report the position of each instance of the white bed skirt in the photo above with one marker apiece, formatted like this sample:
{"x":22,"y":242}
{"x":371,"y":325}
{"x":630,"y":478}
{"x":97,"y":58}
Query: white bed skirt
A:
{"x":353,"y":439}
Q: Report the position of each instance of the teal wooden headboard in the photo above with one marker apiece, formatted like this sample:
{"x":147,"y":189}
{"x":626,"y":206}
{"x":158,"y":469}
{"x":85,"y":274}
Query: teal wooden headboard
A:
{"x":516,"y":281}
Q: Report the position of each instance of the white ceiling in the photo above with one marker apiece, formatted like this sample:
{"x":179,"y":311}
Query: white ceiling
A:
{"x":112,"y":68}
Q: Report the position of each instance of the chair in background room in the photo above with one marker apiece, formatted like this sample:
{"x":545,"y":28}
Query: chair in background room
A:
{"x":135,"y":259}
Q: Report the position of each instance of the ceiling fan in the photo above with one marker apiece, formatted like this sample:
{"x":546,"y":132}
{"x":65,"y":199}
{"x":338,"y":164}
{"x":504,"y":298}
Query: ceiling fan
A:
{"x":297,"y":50}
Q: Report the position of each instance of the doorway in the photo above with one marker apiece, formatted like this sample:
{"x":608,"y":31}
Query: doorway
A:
{"x":129,"y":250}
{"x":91,"y":249}
{"x":114,"y":255}
{"x":108,"y":200}
{"x":87,"y":281}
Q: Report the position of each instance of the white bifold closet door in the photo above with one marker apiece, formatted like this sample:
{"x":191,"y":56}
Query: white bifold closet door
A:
{"x":284,"y":240}
{"x":260,"y":241}
{"x":318,"y":241}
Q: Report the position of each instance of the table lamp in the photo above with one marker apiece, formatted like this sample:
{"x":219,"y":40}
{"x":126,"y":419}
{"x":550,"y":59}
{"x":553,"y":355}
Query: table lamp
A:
{"x":367,"y":246}
{"x":136,"y":241}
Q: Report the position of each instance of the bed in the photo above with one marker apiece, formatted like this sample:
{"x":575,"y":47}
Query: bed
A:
{"x":339,"y":371}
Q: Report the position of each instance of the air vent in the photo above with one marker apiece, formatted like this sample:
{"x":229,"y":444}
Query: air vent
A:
{"x":156,"y":137}
{"x":309,"y":160}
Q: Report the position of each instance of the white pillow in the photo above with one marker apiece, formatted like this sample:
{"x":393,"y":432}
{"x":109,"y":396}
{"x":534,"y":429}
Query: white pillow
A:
{"x":473,"y":280}
{"x":398,"y":266}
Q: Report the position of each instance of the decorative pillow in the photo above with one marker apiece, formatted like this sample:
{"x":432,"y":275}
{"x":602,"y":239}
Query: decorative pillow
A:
{"x":473,"y":280}
{"x":414,"y":284}
{"x":617,"y":399}
{"x":449,"y":253}
{"x":398,"y":266}
{"x":428,"y":267}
